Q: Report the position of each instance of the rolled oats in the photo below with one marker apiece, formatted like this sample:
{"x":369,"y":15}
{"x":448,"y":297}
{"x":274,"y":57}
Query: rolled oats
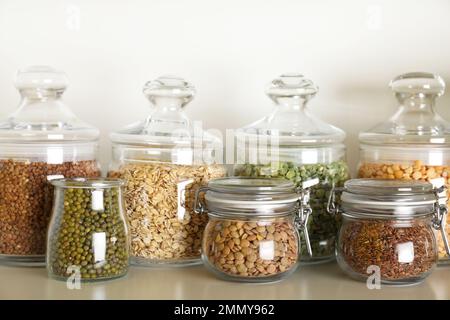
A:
{"x":159,"y":203}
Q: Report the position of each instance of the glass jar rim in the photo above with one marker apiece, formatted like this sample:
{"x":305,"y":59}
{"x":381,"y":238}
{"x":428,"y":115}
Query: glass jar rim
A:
{"x":87,"y":183}
{"x":377,"y":215}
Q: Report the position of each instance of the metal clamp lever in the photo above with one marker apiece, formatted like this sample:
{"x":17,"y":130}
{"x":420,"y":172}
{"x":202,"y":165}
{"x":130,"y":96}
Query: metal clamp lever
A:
{"x":332,"y":204}
{"x":305,"y":210}
{"x":199,"y":207}
{"x":439,"y":219}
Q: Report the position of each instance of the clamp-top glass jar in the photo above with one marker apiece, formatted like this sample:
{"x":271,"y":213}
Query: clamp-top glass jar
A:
{"x":42,"y":140}
{"x":252,"y":233}
{"x":164,"y":159}
{"x":293,"y":144}
{"x":414,"y":144}
{"x":388,"y":229}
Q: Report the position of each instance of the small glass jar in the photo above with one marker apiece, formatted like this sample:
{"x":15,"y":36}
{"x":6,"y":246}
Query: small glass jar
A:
{"x":88,"y":235}
{"x":163,"y":160}
{"x":42,"y":140}
{"x":252,"y":233}
{"x":414,"y":144}
{"x":389,"y":228}
{"x":292,"y":143}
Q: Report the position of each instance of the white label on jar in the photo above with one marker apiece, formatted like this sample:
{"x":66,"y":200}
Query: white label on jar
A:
{"x":267,"y":250}
{"x":55,"y":155}
{"x":97,"y":200}
{"x":405,"y":252}
{"x":99,"y":246}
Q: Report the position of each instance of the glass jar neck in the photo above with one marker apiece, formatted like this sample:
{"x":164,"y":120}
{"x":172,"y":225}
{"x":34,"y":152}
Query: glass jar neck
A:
{"x":167,"y":110}
{"x":295,"y":103}
{"x":168,"y":104}
{"x":40,"y":95}
{"x":42,"y":106}
{"x":417,"y":102}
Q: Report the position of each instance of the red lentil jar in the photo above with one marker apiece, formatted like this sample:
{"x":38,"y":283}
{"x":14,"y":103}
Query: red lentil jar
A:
{"x":388,"y":230}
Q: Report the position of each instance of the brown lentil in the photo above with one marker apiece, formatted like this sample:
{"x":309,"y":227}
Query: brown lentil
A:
{"x":233,"y":247}
{"x":414,"y":171}
{"x":158,"y":232}
{"x":375,"y":242}
{"x":26,"y":202}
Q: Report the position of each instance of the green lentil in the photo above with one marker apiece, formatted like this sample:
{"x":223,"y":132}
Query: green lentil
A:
{"x":322,"y":227}
{"x":71,"y":234}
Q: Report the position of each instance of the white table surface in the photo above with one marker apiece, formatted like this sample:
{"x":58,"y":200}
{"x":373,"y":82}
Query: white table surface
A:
{"x":312,"y":282}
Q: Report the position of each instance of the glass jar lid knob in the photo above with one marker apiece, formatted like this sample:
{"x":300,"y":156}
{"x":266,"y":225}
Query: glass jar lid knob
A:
{"x":169,"y":89}
{"x":418,"y":83}
{"x":291,"y":85}
{"x":41,"y":78}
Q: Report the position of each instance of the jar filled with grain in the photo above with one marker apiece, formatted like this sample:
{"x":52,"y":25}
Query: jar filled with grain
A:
{"x":88,"y":235}
{"x":414,"y":144}
{"x":163,"y":160}
{"x":253,"y":229}
{"x":294,"y":144}
{"x":40,"y":141}
{"x":388,"y":230}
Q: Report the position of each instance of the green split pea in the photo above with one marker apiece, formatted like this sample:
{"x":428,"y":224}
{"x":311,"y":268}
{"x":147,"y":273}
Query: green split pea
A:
{"x":322,"y":226}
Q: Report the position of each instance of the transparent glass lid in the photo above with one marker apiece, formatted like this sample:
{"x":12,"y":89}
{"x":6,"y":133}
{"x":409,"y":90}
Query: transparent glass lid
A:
{"x":42,"y":116}
{"x":415,"y":122}
{"x":251,"y":196}
{"x":387,"y":187}
{"x":167,"y":125}
{"x":251,"y":186}
{"x":391,"y":198}
{"x":291,"y":122}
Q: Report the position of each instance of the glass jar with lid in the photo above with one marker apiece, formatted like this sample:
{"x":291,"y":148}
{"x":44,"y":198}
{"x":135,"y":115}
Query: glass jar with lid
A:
{"x":414,"y":144}
{"x":388,"y":229}
{"x":252,"y":233}
{"x":292,"y":143}
{"x":164,"y":159}
{"x":40,"y":141}
{"x":88,"y":234}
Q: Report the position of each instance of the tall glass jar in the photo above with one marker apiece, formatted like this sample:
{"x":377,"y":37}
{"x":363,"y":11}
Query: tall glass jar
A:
{"x":388,"y":230}
{"x":253,"y":229}
{"x":293,"y":144}
{"x":40,"y":141}
{"x":88,"y":235}
{"x":164,"y":159}
{"x":414,"y":144}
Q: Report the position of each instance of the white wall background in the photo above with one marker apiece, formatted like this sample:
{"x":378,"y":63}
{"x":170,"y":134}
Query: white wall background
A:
{"x":229,"y":50}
